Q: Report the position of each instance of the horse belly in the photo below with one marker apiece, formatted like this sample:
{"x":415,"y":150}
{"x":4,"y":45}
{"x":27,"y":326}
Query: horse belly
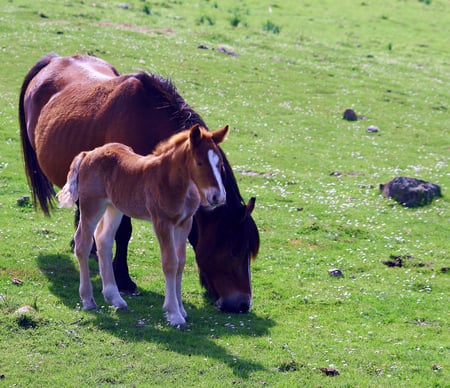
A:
{"x":80,"y":120}
{"x":57,"y":145}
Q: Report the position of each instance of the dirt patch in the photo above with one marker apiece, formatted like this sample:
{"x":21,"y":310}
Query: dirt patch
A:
{"x":254,"y":173}
{"x":403,"y":261}
{"x":143,"y":30}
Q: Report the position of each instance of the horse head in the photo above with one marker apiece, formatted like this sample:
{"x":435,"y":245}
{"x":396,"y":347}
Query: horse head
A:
{"x":230,"y":236}
{"x":207,"y":164}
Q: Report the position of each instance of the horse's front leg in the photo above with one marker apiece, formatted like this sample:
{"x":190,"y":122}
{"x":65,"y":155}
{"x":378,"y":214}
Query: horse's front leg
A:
{"x":120,"y":265}
{"x":170,"y":264}
{"x":104,"y":237}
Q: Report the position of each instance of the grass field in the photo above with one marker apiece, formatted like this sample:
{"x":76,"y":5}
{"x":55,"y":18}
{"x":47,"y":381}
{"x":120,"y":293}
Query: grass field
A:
{"x":281,"y":73}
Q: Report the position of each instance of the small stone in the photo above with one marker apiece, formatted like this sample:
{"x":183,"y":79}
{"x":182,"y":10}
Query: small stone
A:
{"x":335,"y":272}
{"x":227,"y":51}
{"x":372,"y":129}
{"x":23,"y":201}
{"x":24,"y":309}
{"x":350,"y":115}
{"x":330,"y":371}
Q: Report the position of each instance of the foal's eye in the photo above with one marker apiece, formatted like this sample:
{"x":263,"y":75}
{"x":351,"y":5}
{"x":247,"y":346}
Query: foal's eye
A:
{"x":199,"y":164}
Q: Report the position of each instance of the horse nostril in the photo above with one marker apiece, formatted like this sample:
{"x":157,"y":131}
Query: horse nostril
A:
{"x":244,"y":307}
{"x":215,"y":199}
{"x":235,"y":305}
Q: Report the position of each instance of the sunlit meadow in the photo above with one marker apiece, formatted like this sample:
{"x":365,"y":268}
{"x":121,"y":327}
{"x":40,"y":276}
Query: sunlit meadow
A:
{"x":281,"y":74}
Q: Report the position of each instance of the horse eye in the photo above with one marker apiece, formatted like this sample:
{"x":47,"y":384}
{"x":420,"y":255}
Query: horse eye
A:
{"x":199,"y":164}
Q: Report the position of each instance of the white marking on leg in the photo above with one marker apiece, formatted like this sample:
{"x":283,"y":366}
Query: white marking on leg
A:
{"x":171,"y":307}
{"x":104,"y":237}
{"x":214,"y":160}
{"x":180,"y":236}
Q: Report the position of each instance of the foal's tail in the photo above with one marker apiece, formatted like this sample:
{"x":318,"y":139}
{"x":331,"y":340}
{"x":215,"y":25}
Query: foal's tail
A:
{"x":69,"y":193}
{"x":40,"y":185}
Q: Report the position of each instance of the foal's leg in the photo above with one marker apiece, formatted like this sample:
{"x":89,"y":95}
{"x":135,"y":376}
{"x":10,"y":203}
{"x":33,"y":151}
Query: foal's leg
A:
{"x":169,"y":259}
{"x":83,"y":245}
{"x":104,"y":237}
{"x":180,"y":235}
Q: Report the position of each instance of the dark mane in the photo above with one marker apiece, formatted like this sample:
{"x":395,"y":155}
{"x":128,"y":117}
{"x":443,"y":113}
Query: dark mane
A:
{"x":170,"y":98}
{"x":186,"y":117}
{"x":235,"y":201}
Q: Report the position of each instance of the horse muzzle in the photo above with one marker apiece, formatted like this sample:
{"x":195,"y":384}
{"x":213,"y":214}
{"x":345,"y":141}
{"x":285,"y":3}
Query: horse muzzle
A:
{"x":236,"y":303}
{"x":214,"y":198}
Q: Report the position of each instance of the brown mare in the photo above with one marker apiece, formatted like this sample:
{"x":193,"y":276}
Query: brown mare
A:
{"x":73,"y":104}
{"x":165,"y":187}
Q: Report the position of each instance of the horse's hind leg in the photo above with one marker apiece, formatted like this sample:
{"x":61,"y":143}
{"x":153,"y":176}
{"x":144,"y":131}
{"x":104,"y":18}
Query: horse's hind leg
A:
{"x":104,"y":237}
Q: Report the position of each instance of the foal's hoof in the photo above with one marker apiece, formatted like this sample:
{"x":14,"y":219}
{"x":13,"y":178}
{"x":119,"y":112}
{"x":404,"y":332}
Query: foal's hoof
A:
{"x":89,"y":305}
{"x":176,"y":321}
{"x":121,"y":306}
{"x":112,"y":296}
{"x":118,"y":303}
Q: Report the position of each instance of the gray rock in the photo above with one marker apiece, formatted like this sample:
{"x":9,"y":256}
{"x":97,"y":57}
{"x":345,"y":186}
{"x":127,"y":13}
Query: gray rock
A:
{"x":372,"y":129}
{"x":350,"y":115}
{"x":410,"y":192}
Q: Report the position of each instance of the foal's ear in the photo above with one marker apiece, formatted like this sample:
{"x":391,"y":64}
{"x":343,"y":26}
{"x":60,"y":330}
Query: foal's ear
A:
{"x":219,"y":135}
{"x":195,"y":134}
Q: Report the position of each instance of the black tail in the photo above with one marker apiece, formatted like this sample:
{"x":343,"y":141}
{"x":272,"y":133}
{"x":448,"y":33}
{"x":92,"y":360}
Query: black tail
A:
{"x":41,"y":187}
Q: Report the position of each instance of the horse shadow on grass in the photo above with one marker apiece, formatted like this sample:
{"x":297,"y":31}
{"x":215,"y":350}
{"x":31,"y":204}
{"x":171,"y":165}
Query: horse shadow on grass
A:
{"x":145,"y":321}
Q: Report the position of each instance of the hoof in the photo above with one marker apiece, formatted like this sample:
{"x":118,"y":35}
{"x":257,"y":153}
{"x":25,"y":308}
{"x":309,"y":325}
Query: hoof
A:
{"x":118,"y":303}
{"x":130,"y":293}
{"x":127,"y":287}
{"x":121,"y":305}
{"x":176,"y":320}
{"x":113,"y":297}
{"x":89,"y":305}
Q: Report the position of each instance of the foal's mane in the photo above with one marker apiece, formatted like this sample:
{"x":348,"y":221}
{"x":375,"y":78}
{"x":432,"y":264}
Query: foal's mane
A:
{"x":170,"y":144}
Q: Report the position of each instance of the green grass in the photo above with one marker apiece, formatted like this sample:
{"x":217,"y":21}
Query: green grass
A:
{"x":298,"y":66}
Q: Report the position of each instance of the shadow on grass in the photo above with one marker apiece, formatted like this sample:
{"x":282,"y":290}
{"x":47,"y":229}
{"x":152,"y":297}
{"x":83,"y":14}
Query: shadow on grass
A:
{"x":144,"y":321}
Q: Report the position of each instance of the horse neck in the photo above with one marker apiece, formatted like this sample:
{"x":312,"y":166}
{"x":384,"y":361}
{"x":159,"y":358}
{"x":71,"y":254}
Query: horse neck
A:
{"x":173,"y":164}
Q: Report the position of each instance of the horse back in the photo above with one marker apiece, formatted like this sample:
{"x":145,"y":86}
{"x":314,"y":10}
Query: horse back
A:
{"x":79,"y":103}
{"x":59,"y":73}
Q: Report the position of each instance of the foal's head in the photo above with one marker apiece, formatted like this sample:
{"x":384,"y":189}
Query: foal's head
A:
{"x":207,"y":164}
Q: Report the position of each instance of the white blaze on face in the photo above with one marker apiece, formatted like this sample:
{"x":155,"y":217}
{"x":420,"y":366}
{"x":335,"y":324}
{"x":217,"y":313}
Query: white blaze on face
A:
{"x":214,"y":160}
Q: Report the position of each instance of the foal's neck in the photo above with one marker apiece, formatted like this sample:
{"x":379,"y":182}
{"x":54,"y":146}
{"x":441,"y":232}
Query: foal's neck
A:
{"x":172,"y":160}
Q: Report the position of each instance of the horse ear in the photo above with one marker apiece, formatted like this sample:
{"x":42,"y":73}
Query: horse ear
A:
{"x":219,"y":135}
{"x":248,"y":208}
{"x":251,"y":205}
{"x":195,"y":134}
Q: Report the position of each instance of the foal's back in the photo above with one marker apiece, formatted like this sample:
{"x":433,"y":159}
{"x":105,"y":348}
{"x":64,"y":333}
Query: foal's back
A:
{"x":114,"y":174}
